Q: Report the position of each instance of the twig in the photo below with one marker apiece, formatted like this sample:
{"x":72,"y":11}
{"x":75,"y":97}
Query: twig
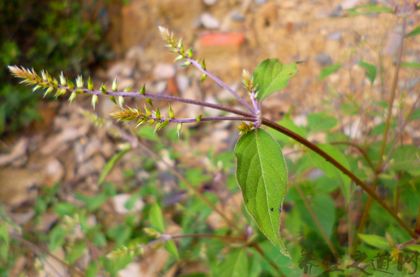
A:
{"x":380,"y":166}
{"x":169,"y":98}
{"x":360,"y":149}
{"x":393,"y":93}
{"x":220,"y":83}
{"x":39,"y":250}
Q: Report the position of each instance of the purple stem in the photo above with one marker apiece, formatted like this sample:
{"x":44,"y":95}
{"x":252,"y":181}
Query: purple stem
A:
{"x":220,"y":83}
{"x":257,"y":109}
{"x":210,"y":118}
{"x":170,"y":99}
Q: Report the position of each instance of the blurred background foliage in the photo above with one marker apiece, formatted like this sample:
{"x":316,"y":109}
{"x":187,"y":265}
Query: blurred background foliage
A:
{"x":53,"y":34}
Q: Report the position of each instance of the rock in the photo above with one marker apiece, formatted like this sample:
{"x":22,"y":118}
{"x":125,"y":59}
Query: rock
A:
{"x":126,"y":83}
{"x":134,"y":24}
{"x":163,"y":71}
{"x":260,"y":2}
{"x":166,"y":162}
{"x":85,"y":151}
{"x":237,"y":16}
{"x":93,"y":165}
{"x":131,"y":270}
{"x":16,"y":185}
{"x":222,"y":52}
{"x":334,"y":36}
{"x":18,"y":151}
{"x":393,"y":41}
{"x":153,"y":262}
{"x":300,"y":120}
{"x":121,"y":69}
{"x":53,"y":172}
{"x":106,"y":106}
{"x":210,"y":2}
{"x":209,"y":21}
{"x":62,"y":140}
{"x":337,"y":11}
{"x":107,"y":149}
{"x":348,"y":4}
{"x":229,"y":41}
{"x":120,"y":201}
{"x":323,"y":59}
{"x":50,"y":266}
{"x":159,"y":87}
{"x":182,"y":82}
{"x":135,"y":53}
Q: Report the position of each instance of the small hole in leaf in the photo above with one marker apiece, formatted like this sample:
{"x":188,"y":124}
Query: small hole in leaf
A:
{"x":271,"y":209}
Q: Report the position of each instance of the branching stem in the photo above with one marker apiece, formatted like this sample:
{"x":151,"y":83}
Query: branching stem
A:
{"x":170,"y":98}
{"x":220,"y":83}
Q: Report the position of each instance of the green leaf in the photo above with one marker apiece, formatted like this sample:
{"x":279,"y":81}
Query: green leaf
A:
{"x":414,"y":32}
{"x":375,"y":241}
{"x":328,"y":70}
{"x":63,"y":209}
{"x":170,"y":246}
{"x":235,"y":265}
{"x":92,"y":269}
{"x":75,"y":252}
{"x":262,"y":176}
{"x":4,"y":241}
{"x":415,"y":248}
{"x":406,"y":158}
{"x":94,"y":101}
{"x":318,"y":122}
{"x":271,"y":76}
{"x":370,"y":70}
{"x":111,"y":163}
{"x":156,"y":218}
{"x":57,"y":237}
{"x":415,"y":115}
{"x":148,"y":133}
{"x":323,"y":206}
{"x":369,"y":9}
{"x":330,"y":170}
{"x":92,"y":202}
{"x":412,"y":65}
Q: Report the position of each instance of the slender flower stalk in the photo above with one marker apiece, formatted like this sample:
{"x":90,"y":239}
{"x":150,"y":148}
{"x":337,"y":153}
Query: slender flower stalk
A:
{"x":50,"y":84}
{"x":118,"y":115}
{"x":177,"y":46}
{"x":220,"y":83}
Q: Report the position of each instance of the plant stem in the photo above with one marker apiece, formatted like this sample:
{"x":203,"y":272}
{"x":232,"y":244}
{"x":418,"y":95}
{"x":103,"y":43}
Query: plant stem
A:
{"x":39,"y":250}
{"x":340,"y":167}
{"x":209,"y":118}
{"x":391,"y":100}
{"x":210,"y":236}
{"x":393,"y":93}
{"x":170,"y":98}
{"x":360,"y":149}
{"x":220,"y":83}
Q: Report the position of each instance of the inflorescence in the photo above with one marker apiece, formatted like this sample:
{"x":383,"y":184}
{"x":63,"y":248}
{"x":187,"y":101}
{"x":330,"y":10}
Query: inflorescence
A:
{"x":62,"y":86}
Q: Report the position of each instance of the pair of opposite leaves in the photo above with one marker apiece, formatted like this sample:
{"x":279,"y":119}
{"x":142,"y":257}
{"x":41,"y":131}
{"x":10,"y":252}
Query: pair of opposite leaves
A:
{"x":261,"y":169}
